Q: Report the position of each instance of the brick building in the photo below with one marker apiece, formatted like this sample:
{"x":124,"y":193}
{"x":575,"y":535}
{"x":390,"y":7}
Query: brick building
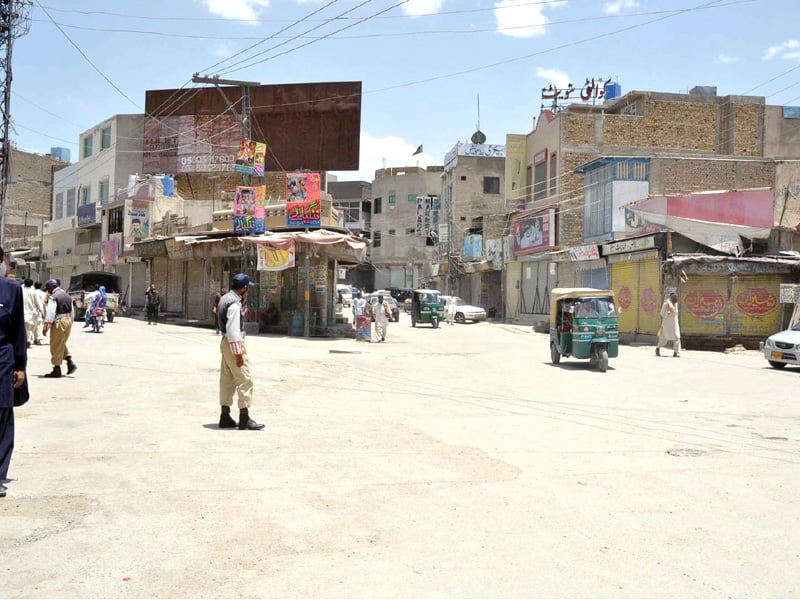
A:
{"x":571,"y":176}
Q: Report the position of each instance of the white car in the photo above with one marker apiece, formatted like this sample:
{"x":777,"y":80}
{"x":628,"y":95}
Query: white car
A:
{"x":783,"y":348}
{"x":466,"y":312}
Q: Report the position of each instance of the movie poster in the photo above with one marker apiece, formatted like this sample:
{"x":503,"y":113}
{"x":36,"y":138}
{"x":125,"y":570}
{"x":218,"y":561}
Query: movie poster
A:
{"x":245,"y":157}
{"x":303,"y":200}
{"x":248,"y":209}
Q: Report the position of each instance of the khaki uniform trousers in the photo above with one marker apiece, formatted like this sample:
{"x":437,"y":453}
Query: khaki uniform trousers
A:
{"x":59,"y":334}
{"x":233,"y":379}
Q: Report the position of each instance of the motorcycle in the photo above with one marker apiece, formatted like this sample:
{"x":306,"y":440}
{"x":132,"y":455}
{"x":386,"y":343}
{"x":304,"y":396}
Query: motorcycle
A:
{"x":98,"y":318}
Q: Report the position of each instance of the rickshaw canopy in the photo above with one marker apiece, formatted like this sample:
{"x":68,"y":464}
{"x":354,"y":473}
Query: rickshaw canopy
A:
{"x":557,"y":294}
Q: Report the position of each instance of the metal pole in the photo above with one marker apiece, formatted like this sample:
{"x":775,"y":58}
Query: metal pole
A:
{"x":7,"y":21}
{"x":307,"y":293}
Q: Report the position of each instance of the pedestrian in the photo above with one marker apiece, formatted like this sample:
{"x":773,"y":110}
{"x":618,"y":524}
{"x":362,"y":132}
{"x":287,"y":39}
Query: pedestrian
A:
{"x":449,"y":310}
{"x":670,"y":330}
{"x":360,"y":318}
{"x":58,"y":318}
{"x":383,"y":313}
{"x":222,"y":291}
{"x":42,"y":302}
{"x":152,"y":304}
{"x":235,"y":377}
{"x":13,"y":362}
{"x":33,"y":310}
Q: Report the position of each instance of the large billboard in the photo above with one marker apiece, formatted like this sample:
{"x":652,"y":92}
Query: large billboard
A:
{"x":307,"y":126}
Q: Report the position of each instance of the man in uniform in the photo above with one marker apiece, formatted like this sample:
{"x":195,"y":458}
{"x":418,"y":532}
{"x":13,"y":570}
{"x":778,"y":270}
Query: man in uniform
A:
{"x":234,"y":377}
{"x":58,"y":318}
{"x":13,"y":361}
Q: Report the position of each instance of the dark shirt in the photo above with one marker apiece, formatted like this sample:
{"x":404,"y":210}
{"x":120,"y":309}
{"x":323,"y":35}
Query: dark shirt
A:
{"x":153,"y":298}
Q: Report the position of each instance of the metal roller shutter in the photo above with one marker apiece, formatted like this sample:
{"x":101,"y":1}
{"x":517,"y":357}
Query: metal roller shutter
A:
{"x":625,"y":283}
{"x":173,"y":300}
{"x":754,"y":306}
{"x":704,"y":305}
{"x":535,"y":288}
{"x":197,"y":305}
{"x":649,"y":296}
{"x":158,"y":275}
{"x":139,"y":284}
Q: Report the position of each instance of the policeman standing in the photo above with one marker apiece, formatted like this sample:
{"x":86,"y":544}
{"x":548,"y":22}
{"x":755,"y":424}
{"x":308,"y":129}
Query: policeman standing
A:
{"x":58,"y":318}
{"x":235,"y":375}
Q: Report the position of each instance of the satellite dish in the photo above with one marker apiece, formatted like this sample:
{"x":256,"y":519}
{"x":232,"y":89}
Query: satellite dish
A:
{"x":478,"y":137}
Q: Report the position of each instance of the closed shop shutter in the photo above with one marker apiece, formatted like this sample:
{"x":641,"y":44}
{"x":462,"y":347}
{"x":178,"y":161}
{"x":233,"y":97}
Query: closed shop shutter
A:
{"x":703,"y":305}
{"x":649,"y":296}
{"x":754,"y":306}
{"x":158,"y":275}
{"x":625,"y":283}
{"x":197,"y":299}
{"x":136,"y":295}
{"x":535,"y":288}
{"x":174,"y":294}
{"x":596,"y":278}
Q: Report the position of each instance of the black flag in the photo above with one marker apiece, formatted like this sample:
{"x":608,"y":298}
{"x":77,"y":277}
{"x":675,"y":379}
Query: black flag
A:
{"x":418,"y":150}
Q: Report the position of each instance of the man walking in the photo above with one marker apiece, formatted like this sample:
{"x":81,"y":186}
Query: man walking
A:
{"x":41,"y":295}
{"x":153,"y":302}
{"x":33,"y":310}
{"x":234,"y":377}
{"x":58,"y":318}
{"x":670,"y":330}
{"x":13,"y":362}
{"x":382,"y":314}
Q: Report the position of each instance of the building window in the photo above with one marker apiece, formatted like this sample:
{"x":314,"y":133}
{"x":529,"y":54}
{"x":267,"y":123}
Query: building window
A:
{"x":86,"y":195}
{"x":392,"y":202}
{"x":391,"y":232}
{"x":103,"y":193}
{"x":528,"y":184}
{"x":105,"y":141}
{"x":87,"y":147}
{"x":409,"y":231}
{"x":115,"y":220}
{"x":376,"y":239}
{"x":491,"y":185}
{"x":463,"y":178}
{"x":540,"y":180}
{"x":597,"y":209}
{"x":71,"y":203}
{"x":412,"y":197}
{"x":59,"y":207}
{"x":553,"y":174}
{"x":376,"y":204}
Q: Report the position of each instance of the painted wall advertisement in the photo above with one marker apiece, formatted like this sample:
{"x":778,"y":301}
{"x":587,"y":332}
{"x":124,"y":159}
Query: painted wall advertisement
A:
{"x":534,"y":234}
{"x":108,"y":251}
{"x":248,"y":209}
{"x":179,"y":144}
{"x":303,"y":200}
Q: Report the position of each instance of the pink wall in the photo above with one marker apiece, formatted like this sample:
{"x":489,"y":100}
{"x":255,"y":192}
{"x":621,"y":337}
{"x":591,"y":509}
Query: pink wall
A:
{"x":749,"y":207}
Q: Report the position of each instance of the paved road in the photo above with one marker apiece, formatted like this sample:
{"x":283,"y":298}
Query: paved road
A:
{"x":454,"y":462}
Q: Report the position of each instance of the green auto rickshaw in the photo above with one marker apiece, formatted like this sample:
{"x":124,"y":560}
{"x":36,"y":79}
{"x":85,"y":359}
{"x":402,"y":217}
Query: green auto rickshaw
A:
{"x":427,"y":306}
{"x":584,"y":323}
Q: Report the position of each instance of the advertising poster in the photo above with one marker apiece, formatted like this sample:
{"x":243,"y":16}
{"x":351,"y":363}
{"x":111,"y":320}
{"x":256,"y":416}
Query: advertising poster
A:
{"x":109,"y":252}
{"x":275,"y":259}
{"x":245,"y":157}
{"x":137,"y":220}
{"x":303,"y":200}
{"x":534,"y":234}
{"x":261,"y":153}
{"x":248,"y":209}
{"x":179,"y":144}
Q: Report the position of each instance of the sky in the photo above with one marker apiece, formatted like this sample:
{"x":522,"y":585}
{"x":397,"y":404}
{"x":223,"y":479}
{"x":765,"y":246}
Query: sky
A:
{"x":433,"y":71}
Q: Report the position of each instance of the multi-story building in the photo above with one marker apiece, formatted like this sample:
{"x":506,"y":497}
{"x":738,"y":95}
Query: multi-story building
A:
{"x":572,"y":176}
{"x":475,"y":213}
{"x":353,"y":201}
{"x":405,"y":221}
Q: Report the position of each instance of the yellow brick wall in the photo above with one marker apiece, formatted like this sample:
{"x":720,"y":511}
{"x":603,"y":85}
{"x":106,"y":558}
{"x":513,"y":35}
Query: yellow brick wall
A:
{"x":678,"y":125}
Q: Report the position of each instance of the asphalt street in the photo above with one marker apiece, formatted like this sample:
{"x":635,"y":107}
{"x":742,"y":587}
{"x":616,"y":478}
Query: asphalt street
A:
{"x":455,"y":462}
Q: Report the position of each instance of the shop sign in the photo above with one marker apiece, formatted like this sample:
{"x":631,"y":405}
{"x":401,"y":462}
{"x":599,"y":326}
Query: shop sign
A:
{"x":632,"y":245}
{"x":534,"y":234}
{"x":87,"y":215}
{"x":704,"y":303}
{"x":756,"y":301}
{"x":579,"y":253}
{"x":790,"y":293}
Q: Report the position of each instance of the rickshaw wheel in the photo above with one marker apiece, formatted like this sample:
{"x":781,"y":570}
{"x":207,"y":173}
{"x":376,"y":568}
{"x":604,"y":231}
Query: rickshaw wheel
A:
{"x":602,"y":361}
{"x":413,"y":322}
{"x":435,"y":322}
{"x":555,"y":355}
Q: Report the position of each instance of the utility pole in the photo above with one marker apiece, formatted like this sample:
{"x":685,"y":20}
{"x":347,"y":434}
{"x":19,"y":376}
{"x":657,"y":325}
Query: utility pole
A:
{"x":14,"y":22}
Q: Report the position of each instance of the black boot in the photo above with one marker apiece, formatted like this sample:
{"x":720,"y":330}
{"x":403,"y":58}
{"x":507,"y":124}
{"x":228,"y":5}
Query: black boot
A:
{"x":56,"y":372}
{"x":225,"y":419}
{"x":245,"y":422}
{"x":71,"y":366}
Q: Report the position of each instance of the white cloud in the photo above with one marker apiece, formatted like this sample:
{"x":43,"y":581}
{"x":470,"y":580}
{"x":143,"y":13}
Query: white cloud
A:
{"x":617,"y":6}
{"x":788,"y":50}
{"x":394,"y":151}
{"x":557,"y":78}
{"x":727,"y":59}
{"x":521,"y":19}
{"x":222,"y":50}
{"x":236,"y":9}
{"x":422,"y":7}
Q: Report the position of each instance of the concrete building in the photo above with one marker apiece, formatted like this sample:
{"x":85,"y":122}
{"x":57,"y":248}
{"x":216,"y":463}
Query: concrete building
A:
{"x":475,"y":213}
{"x":353,"y":201}
{"x":572,"y":175}
{"x":405,"y":220}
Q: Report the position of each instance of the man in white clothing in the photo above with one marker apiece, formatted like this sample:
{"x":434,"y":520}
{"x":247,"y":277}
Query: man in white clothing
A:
{"x":34,"y":310}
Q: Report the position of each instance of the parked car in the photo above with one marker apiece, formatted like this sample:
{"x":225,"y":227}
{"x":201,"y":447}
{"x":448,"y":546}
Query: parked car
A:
{"x":783,"y":348}
{"x":373,"y":300}
{"x":466,"y":312}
